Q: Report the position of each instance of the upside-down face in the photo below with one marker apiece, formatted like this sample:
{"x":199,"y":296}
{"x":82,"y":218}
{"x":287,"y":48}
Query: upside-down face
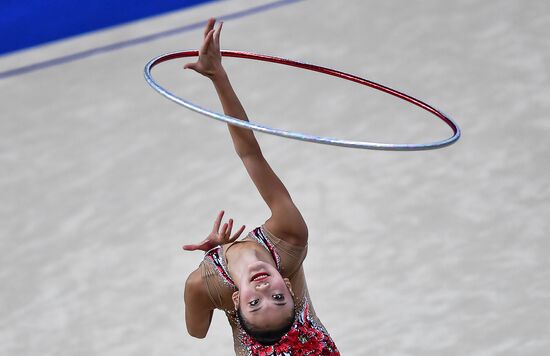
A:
{"x":264,"y":297}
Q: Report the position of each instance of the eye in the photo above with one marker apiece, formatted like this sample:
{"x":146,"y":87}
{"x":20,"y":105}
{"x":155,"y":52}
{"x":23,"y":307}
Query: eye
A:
{"x":278,"y":296}
{"x":254,"y":302}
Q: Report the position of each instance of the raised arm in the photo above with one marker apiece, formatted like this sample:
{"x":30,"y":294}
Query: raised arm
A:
{"x":286,"y":220}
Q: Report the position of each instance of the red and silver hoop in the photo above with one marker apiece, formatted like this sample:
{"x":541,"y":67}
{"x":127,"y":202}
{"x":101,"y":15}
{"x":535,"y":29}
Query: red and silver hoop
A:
{"x":297,"y":135}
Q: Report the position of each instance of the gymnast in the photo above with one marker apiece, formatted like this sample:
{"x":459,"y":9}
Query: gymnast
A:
{"x":257,"y":281}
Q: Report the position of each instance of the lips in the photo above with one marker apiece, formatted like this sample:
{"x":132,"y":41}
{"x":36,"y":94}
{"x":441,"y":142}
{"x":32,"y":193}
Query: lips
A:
{"x":260,"y":276}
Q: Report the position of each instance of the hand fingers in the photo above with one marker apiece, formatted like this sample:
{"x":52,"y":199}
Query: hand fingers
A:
{"x":209,"y":26}
{"x":207,"y":42}
{"x":222,"y":231}
{"x":237,"y":234}
{"x":227,"y":232}
{"x":217,"y":34}
{"x":218,"y":221}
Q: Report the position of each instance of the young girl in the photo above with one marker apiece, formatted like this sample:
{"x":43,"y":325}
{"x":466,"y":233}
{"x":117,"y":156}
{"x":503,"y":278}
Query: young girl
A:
{"x":258,"y":281}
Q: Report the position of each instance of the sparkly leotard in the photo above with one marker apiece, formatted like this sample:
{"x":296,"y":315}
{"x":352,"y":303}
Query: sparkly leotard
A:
{"x":288,"y":259}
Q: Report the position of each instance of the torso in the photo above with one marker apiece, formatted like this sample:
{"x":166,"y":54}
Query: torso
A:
{"x":216,"y":274}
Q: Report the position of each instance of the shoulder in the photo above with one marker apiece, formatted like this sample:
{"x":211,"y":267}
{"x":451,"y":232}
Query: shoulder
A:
{"x":195,"y":288}
{"x":289,"y":257}
{"x":211,"y":281}
{"x":293,"y":231}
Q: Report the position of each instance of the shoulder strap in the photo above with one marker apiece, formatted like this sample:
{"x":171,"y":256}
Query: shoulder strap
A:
{"x":215,"y":257}
{"x":260,"y":236}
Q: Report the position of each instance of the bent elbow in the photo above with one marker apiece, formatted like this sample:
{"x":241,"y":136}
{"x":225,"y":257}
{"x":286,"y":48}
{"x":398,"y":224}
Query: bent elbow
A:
{"x":196,"y":334}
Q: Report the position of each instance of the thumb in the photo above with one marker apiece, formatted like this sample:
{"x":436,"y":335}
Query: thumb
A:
{"x":190,"y":66}
{"x":190,"y":247}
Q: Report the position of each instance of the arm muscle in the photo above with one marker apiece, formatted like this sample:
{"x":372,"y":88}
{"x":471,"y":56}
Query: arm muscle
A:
{"x":198,"y":307}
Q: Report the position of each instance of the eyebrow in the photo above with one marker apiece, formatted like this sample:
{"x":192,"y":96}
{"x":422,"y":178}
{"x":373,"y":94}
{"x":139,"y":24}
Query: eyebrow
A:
{"x":255,"y":310}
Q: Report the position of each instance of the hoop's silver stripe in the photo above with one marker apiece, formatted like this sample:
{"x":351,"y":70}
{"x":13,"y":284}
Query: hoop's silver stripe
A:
{"x":289,"y":134}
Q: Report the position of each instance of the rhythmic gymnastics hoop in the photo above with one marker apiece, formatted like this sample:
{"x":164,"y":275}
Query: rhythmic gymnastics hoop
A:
{"x":297,"y":135}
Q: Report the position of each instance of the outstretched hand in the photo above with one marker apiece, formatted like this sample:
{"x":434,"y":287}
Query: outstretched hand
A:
{"x":217,"y":237}
{"x":209,"y":63}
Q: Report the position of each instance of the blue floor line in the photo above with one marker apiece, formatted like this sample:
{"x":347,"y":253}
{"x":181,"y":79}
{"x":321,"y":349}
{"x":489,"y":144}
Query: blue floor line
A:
{"x":139,"y":40}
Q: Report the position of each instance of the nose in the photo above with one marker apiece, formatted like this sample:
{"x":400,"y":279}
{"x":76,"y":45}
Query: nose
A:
{"x":262,"y":285}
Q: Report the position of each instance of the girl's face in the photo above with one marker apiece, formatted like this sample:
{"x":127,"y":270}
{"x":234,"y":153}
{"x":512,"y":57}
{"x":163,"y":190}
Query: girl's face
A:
{"x":264,"y":296}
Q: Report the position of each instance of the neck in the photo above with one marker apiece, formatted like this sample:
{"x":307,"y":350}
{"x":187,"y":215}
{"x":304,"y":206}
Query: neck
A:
{"x":240,"y":258}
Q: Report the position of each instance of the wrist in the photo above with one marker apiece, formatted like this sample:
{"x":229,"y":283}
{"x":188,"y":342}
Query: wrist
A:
{"x":219,"y":76}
